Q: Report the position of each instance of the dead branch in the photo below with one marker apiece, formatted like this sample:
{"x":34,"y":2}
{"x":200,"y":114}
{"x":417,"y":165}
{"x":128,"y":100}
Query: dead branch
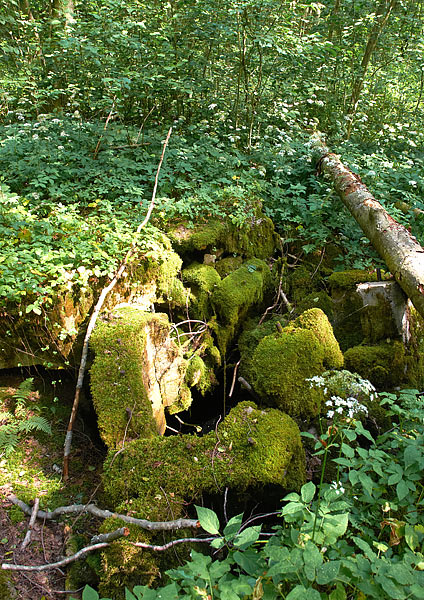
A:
{"x":34,"y":512}
{"x":106,"y":514}
{"x":96,"y":312}
{"x":96,"y":151}
{"x":61,"y":563}
{"x":171,"y":544}
{"x":111,"y":536}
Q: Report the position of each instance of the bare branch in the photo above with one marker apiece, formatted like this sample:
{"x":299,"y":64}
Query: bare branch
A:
{"x":106,"y":514}
{"x":111,"y":536}
{"x":61,"y":563}
{"x":34,"y":512}
{"x":171,"y":544}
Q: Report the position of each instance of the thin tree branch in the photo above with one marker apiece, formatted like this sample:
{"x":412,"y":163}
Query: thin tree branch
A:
{"x":95,"y":314}
{"x":61,"y":563}
{"x":171,"y":544}
{"x":106,"y":514}
{"x":111,"y":536}
{"x":34,"y":512}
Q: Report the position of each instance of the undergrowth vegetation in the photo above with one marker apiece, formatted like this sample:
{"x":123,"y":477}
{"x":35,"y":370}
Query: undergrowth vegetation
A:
{"x":359,"y":536}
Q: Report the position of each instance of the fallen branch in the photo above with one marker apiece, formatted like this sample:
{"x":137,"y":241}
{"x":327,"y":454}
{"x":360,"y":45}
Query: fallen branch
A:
{"x":106,"y":514}
{"x":34,"y":512}
{"x":111,"y":536}
{"x":171,"y":544}
{"x":61,"y":563}
{"x":401,"y":252}
{"x":95,"y":314}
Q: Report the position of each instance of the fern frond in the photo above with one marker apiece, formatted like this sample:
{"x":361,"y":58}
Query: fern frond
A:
{"x":35,"y":423}
{"x":8,"y":440}
{"x":24,"y":390}
{"x":5,"y":417}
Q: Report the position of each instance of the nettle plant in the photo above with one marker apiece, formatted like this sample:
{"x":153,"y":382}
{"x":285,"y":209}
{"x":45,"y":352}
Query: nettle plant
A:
{"x":359,"y":536}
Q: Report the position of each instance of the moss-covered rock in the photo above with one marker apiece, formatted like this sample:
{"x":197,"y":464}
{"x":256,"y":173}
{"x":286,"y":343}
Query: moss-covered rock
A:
{"x":227,"y":265}
{"x":350,"y":279}
{"x":252,"y":334}
{"x":51,"y":337}
{"x":202,"y":280}
{"x":316,"y":321}
{"x":282,"y":362}
{"x":235,"y":297}
{"x":256,"y":447}
{"x":256,"y":238}
{"x":199,"y":375}
{"x":302,"y":283}
{"x":138,"y":371}
{"x":383,"y":364}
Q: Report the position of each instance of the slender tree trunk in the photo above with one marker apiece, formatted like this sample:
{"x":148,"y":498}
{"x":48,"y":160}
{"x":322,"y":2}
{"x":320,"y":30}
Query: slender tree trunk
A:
{"x":401,"y":252}
{"x":382,"y":15}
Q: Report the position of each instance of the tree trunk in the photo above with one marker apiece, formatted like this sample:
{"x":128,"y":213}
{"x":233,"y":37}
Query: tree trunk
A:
{"x":401,"y":252}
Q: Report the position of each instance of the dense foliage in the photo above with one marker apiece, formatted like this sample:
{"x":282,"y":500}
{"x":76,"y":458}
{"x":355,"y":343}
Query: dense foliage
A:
{"x":360,"y":536}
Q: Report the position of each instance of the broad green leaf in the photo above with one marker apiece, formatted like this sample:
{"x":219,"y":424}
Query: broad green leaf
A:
{"x":249,"y":561}
{"x":328,"y":572}
{"x":308,"y":492}
{"x":233,"y":526}
{"x":247,"y":537}
{"x":339,"y":593}
{"x":411,"y":536}
{"x":89,"y":594}
{"x":402,"y":490}
{"x":208,"y":519}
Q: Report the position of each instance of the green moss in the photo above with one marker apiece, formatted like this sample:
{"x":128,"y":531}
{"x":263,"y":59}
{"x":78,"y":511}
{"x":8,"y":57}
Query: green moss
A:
{"x":255,"y":447}
{"x":319,"y":299}
{"x":279,"y":367}
{"x":301,"y":284}
{"x":236,"y":295}
{"x":255,"y":238}
{"x":122,"y":380}
{"x":383,"y":364}
{"x":7,"y":588}
{"x":251,"y":336}
{"x":16,"y":515}
{"x":350,"y":279}
{"x":202,"y":279}
{"x":227,"y":265}
{"x":199,"y":375}
{"x":317,"y":322}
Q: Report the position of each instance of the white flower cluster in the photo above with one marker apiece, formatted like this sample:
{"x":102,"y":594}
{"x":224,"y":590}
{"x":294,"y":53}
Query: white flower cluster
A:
{"x":338,"y":487}
{"x":349,"y":407}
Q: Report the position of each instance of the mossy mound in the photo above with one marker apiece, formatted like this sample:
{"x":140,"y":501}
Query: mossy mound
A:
{"x":137,"y":372}
{"x":282,"y":362}
{"x":236,"y":295}
{"x":302,"y":283}
{"x":384,"y":364}
{"x":249,"y":449}
{"x":227,"y":265}
{"x":255,"y":447}
{"x":202,"y":280}
{"x":251,"y":336}
{"x":317,"y":322}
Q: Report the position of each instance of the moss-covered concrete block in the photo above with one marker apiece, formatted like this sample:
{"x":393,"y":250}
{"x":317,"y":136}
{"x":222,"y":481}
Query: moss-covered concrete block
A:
{"x":282,"y":362}
{"x":137,"y":372}
{"x":202,"y":280}
{"x":236,"y":295}
{"x":384,"y":364}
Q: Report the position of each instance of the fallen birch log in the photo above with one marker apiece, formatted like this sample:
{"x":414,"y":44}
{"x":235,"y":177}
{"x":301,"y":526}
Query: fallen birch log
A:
{"x":401,"y":252}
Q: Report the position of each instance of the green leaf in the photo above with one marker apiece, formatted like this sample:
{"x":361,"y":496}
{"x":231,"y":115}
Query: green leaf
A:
{"x":394,"y":591}
{"x":218,"y":543}
{"x":207,"y":519}
{"x":411,"y":536}
{"x":247,"y":537}
{"x":402,"y":490}
{"x":233,"y":526}
{"x":302,"y":593}
{"x":89,"y":594}
{"x":347,"y":450}
{"x":365,"y":547}
{"x":328,"y":572}
{"x":339,"y":593}
{"x":129,"y":595}
{"x":308,"y":492}
{"x":249,"y":560}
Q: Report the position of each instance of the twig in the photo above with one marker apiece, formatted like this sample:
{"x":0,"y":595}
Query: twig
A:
{"x":34,"y":512}
{"x":234,"y":379}
{"x":60,"y":563}
{"x":142,"y":124}
{"x":170,"y":544}
{"x":96,"y":151}
{"x":106,"y":514}
{"x":95,"y":314}
{"x":111,"y":536}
